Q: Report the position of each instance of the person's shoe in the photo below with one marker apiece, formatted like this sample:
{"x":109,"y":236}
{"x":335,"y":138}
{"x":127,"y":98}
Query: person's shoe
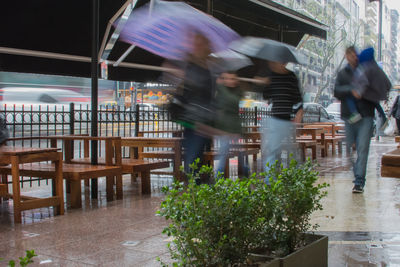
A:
{"x":384,"y":125}
{"x":358,"y":189}
{"x":354,"y":117}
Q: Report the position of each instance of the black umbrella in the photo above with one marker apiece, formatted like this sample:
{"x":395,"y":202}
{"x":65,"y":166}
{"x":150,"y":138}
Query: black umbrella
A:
{"x":267,"y":49}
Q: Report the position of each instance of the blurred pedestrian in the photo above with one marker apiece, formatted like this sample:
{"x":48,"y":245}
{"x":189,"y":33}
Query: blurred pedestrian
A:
{"x":198,"y":94}
{"x":395,"y":112}
{"x":360,"y":132}
{"x":284,"y":94}
{"x":371,"y":83}
{"x":228,"y":96}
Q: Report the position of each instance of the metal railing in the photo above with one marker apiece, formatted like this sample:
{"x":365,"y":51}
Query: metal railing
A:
{"x":40,"y":120}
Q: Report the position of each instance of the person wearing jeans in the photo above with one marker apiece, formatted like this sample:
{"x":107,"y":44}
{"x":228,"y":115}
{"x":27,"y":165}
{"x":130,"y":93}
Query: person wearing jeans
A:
{"x":358,"y":133}
{"x":276,"y":131}
{"x":227,"y":122}
{"x":283,"y":92}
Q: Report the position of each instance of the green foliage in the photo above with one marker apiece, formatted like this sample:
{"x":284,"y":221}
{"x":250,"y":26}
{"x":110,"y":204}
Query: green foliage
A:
{"x":294,"y":196}
{"x":23,"y":261}
{"x":220,"y":224}
{"x":211,"y":224}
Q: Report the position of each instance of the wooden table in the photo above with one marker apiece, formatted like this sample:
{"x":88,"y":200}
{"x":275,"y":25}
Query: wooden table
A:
{"x":174,"y":133}
{"x":19,"y":155}
{"x":315,"y":132}
{"x":173,"y":142}
{"x":252,"y":135}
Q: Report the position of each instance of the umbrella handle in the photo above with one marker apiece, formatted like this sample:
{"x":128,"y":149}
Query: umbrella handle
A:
{"x":252,"y":80}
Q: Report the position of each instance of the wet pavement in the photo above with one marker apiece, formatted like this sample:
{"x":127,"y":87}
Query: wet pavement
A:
{"x":363,"y":229}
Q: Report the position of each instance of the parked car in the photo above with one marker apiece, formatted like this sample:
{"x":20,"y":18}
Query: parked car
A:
{"x":43,"y":97}
{"x":334,"y":110}
{"x":314,"y":112}
{"x":40,"y":109}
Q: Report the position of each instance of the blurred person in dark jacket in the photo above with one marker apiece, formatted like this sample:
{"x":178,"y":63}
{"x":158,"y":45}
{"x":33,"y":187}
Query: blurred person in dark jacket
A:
{"x":371,"y":83}
{"x":227,"y":100}
{"x":395,"y":112}
{"x":360,"y":132}
{"x":197,"y":95}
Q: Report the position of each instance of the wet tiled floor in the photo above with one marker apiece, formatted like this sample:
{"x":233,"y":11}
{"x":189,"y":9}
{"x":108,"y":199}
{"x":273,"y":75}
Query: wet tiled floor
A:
{"x":363,"y":229}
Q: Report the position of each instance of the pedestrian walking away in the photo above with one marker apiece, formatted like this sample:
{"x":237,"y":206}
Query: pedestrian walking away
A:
{"x":395,"y":112}
{"x":370,"y":82}
{"x":360,"y":132}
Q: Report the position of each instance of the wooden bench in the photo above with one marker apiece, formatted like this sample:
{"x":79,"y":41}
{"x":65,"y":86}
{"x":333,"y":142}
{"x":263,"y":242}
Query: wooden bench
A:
{"x":390,"y":166}
{"x":139,"y":143}
{"x":304,"y":144}
{"x":132,"y":166}
{"x":174,"y":133}
{"x":211,"y":156}
{"x":74,"y":173}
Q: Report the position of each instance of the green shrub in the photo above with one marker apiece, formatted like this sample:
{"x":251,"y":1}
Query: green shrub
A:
{"x":211,"y":224}
{"x":294,"y":196}
{"x":220,"y":224}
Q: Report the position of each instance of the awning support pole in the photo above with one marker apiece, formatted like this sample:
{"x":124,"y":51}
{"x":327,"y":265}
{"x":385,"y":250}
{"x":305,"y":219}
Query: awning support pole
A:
{"x":95,"y":73}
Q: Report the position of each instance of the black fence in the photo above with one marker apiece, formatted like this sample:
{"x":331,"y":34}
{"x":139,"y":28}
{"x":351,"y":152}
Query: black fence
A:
{"x":40,"y":120}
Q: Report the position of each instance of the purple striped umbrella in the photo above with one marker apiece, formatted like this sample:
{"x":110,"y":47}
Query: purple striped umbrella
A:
{"x":166,"y":29}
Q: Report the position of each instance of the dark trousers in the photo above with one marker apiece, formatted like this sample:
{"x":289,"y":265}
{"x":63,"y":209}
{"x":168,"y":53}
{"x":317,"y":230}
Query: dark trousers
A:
{"x":194,"y":145}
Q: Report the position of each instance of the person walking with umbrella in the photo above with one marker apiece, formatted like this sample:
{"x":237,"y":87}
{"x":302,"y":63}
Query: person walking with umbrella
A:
{"x":284,"y":94}
{"x":282,"y":90}
{"x":198,"y":94}
{"x":174,"y":30}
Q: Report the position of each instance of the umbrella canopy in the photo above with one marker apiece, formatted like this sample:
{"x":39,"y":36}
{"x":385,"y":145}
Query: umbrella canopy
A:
{"x":267,"y":49}
{"x":230,"y":60}
{"x":165,"y":29}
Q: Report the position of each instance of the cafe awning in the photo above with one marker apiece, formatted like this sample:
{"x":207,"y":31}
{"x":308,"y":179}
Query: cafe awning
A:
{"x":54,"y":37}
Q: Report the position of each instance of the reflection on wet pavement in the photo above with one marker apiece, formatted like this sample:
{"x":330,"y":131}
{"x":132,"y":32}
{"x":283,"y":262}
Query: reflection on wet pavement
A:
{"x":363,"y":229}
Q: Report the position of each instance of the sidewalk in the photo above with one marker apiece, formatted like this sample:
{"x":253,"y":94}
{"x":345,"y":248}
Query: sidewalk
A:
{"x":363,"y":229}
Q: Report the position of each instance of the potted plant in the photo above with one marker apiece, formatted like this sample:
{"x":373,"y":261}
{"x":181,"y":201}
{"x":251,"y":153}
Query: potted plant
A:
{"x":232,"y":222}
{"x":293,"y":196}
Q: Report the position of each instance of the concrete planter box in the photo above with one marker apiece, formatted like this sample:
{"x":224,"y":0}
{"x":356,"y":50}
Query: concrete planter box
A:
{"x":315,"y":254}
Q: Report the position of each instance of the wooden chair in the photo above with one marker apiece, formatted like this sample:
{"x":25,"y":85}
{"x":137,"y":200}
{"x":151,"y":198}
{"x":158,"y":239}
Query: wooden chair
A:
{"x":129,"y":165}
{"x":140,"y":143}
{"x":331,"y":137}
